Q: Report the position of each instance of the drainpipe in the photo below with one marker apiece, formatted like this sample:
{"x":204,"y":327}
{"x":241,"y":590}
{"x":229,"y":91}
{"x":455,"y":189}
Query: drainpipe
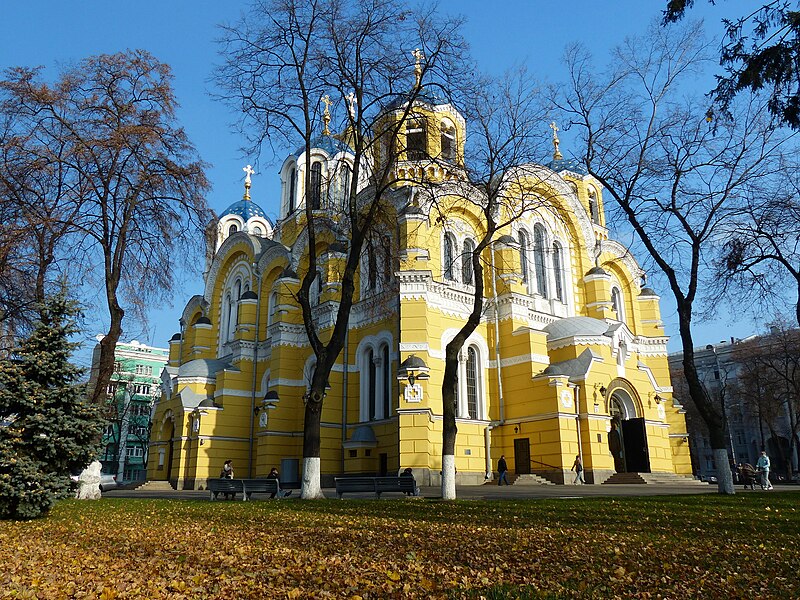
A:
{"x":345,"y":379}
{"x":255,"y":370}
{"x":578,"y":423}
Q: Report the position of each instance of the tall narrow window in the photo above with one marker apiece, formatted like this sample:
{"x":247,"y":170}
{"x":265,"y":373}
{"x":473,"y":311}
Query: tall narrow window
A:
{"x":539,"y":247}
{"x":594,"y":208}
{"x":524,"y":244}
{"x":292,"y":179}
{"x":372,"y":384}
{"x":315,"y":193}
{"x":415,"y":140}
{"x":558,"y":271}
{"x":233,"y":229}
{"x":616,"y":304}
{"x":447,"y":257}
{"x":387,"y":382}
{"x":372,"y":270}
{"x":472,"y":382}
{"x":344,"y":184}
{"x":448,"y":141}
{"x":466,"y":262}
{"x":387,"y":258}
{"x":273,"y":308}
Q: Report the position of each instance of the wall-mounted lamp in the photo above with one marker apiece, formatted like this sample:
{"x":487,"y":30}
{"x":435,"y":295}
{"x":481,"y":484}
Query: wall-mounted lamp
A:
{"x":516,"y":428}
{"x":413,"y":369}
{"x":656,"y":397}
{"x":270,"y":401}
{"x":602,"y":390}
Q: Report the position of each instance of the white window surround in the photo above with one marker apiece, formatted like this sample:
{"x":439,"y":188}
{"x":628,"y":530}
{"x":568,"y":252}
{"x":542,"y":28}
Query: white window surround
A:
{"x":551,"y":238}
{"x":237,"y":279}
{"x":459,"y":233}
{"x":374,"y":346}
{"x":480,"y":346}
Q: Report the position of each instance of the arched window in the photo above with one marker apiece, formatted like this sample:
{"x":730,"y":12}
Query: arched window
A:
{"x":539,"y":263}
{"x":387,"y":381}
{"x":616,"y":303}
{"x":447,"y":257}
{"x":257,"y":230}
{"x":233,"y":315}
{"x":448,"y":141}
{"x":315,"y":193}
{"x":272,"y":309}
{"x":292,"y":179}
{"x":372,"y":385}
{"x":344,"y":184}
{"x":472,"y":382}
{"x":232,"y":229}
{"x":558,"y":271}
{"x":594,"y":208}
{"x":466,"y":262}
{"x":227,"y":311}
{"x":524,"y":245}
{"x":415,"y":140}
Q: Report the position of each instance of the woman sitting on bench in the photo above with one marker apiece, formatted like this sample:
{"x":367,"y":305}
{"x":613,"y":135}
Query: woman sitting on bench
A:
{"x":273,"y":474}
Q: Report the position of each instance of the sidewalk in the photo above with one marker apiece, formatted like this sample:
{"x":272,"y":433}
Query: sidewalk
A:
{"x":491,"y":492}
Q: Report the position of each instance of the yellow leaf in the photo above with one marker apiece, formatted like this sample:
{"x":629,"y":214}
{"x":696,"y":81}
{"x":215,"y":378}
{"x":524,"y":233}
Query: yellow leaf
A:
{"x":108,"y":594}
{"x":393,"y":575}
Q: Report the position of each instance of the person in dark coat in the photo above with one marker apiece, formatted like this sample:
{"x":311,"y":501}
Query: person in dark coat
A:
{"x":502,"y":469}
{"x":273,"y":474}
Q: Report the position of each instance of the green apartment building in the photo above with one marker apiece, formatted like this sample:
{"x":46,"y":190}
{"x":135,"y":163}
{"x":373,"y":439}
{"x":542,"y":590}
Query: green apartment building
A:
{"x":131,"y":395}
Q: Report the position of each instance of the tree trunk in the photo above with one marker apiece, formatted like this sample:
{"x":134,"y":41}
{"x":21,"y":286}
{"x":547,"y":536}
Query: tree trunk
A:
{"x":450,"y":430}
{"x":105,"y":367}
{"x":714,"y":421}
{"x":311,"y":488}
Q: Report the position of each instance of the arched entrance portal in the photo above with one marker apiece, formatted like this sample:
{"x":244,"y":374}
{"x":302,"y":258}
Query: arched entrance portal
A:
{"x":627,"y":439}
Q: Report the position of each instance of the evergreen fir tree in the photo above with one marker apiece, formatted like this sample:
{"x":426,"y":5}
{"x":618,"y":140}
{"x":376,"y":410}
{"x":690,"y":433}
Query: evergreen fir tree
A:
{"x":47,"y":427}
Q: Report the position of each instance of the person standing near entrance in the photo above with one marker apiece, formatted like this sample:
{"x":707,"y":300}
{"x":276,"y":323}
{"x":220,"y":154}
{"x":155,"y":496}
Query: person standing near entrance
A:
{"x":577,"y":466}
{"x":502,"y":469}
{"x":763,"y":465}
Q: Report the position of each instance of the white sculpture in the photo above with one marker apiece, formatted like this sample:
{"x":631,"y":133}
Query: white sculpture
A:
{"x":89,"y":481}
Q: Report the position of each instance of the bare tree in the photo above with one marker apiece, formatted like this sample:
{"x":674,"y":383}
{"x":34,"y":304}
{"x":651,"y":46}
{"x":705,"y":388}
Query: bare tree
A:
{"x":125,"y":177}
{"x":279,"y":62}
{"x":674,"y":172}
{"x":499,"y":182}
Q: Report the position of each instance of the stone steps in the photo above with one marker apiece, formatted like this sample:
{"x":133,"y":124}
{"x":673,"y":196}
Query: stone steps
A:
{"x":531,"y":479}
{"x":155,"y":486}
{"x":652,"y":479}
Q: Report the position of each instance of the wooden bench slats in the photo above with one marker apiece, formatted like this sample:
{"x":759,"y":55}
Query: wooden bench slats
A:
{"x":246,"y":487}
{"x":377,"y":485}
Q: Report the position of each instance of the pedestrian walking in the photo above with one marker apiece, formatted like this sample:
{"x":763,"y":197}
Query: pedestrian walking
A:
{"x":502,"y":469}
{"x":763,"y":467}
{"x":577,"y":466}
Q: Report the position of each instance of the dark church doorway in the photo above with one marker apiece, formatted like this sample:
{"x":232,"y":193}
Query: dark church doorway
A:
{"x":627,"y":440}
{"x":522,"y":456}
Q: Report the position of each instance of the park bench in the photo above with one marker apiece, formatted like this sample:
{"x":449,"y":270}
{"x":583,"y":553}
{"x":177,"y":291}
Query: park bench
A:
{"x":375,"y":485}
{"x":225,"y":486}
{"x":263,"y":486}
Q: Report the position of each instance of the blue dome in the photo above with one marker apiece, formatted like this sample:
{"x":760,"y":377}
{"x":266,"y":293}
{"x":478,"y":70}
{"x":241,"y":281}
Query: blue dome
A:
{"x":244,"y":209}
{"x":568,"y":164}
{"x":328,"y":143}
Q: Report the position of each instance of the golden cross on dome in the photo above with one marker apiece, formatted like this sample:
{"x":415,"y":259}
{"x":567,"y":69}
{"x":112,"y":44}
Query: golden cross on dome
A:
{"x":248,"y":170}
{"x":419,"y":55}
{"x":326,"y":115}
{"x":556,"y":152}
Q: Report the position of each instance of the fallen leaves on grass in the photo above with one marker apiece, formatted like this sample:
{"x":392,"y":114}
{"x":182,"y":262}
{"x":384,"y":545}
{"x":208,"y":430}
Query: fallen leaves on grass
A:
{"x":645,"y":548}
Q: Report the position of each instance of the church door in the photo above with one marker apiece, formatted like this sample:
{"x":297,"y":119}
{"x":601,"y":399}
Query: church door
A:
{"x":634,"y":437}
{"x":522,"y":456}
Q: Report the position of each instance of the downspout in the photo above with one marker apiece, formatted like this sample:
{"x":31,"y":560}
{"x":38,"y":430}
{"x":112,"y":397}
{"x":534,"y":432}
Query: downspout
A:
{"x":255,"y":370}
{"x":345,"y":380}
{"x":502,"y":410}
{"x":578,"y":423}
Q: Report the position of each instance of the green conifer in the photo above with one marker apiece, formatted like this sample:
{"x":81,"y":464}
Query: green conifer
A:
{"x":47,"y":427}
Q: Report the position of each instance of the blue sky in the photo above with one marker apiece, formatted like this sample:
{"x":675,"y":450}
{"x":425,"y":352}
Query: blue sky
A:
{"x":182,"y":33}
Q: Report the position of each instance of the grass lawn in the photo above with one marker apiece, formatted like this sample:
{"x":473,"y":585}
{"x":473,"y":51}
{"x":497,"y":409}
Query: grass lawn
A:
{"x":746,"y":546}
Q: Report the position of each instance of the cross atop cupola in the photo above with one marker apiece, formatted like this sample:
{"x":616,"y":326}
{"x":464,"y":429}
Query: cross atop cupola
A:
{"x":248,"y":170}
{"x":556,"y":152}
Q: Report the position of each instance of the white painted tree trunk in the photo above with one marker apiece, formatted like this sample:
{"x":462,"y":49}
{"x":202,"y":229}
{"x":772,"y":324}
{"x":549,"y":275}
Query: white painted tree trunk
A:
{"x":311,"y":489}
{"x":724,"y":475}
{"x":448,"y":477}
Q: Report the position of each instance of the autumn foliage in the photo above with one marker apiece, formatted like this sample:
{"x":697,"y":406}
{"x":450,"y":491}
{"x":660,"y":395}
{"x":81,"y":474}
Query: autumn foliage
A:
{"x":666,"y":547}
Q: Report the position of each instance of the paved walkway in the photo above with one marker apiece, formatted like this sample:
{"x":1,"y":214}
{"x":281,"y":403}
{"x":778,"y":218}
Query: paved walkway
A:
{"x":493,"y":492}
